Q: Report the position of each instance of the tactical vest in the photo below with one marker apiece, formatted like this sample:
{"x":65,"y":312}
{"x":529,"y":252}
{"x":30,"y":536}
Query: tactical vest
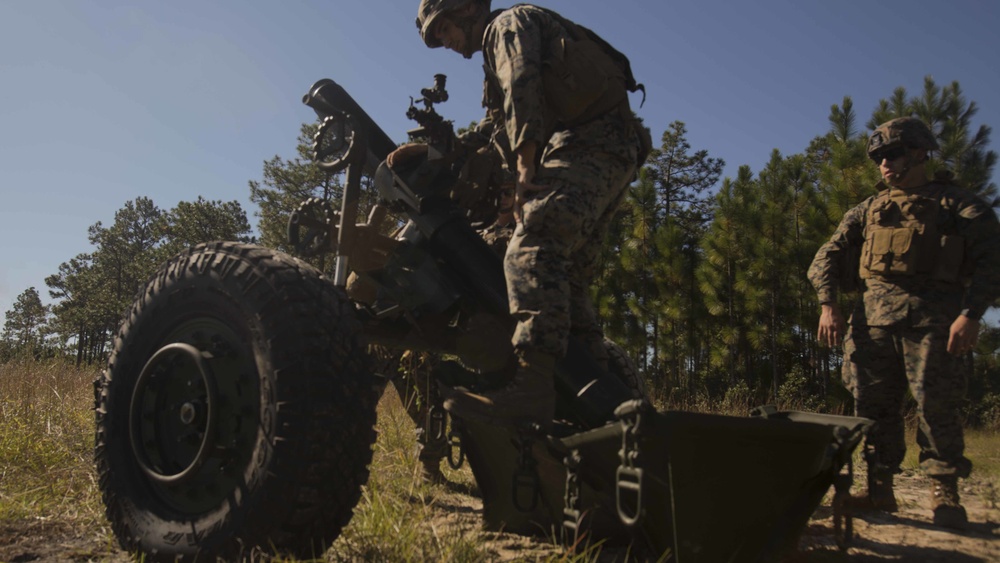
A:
{"x":903,"y":238}
{"x":583,"y":77}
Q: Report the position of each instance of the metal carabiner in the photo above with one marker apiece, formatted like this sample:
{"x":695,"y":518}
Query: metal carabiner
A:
{"x":628,"y":479}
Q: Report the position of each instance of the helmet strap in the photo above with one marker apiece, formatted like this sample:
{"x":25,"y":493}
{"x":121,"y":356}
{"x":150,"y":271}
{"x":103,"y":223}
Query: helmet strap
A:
{"x":911,"y":160}
{"x":467,"y":24}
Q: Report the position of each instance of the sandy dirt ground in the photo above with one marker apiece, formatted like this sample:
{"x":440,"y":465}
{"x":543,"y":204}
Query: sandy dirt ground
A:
{"x":908,"y":536}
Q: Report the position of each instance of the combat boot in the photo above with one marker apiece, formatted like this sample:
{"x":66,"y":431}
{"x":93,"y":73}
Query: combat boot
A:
{"x":879,"y":495}
{"x":529,"y":398}
{"x":430,"y":457}
{"x":948,"y":510}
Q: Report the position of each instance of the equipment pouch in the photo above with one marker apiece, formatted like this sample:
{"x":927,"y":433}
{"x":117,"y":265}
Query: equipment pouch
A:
{"x":873,"y":254}
{"x":581,"y":81}
{"x":904,"y":260}
{"x":888,"y":251}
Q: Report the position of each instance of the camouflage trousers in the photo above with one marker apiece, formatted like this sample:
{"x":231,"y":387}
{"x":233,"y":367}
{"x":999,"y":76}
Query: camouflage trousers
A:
{"x":880,"y":363}
{"x":552,"y":254}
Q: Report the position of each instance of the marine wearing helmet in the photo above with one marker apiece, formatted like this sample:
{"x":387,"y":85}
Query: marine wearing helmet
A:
{"x":899,"y":148}
{"x":429,"y":12}
{"x":905,"y":132}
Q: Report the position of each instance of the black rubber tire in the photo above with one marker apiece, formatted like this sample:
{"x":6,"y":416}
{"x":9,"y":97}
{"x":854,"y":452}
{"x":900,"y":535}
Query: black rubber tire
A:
{"x":622,"y":367}
{"x":275,"y":430}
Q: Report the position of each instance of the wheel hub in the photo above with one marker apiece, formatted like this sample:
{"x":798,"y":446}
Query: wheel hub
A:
{"x":190,"y":413}
{"x":164,"y":451}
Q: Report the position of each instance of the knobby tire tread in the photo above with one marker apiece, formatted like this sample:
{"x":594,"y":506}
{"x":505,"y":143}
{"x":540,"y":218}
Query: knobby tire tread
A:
{"x":312,"y":458}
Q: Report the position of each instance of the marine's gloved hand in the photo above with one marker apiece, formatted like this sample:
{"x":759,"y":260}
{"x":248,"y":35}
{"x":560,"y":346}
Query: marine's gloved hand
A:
{"x":404,"y":153}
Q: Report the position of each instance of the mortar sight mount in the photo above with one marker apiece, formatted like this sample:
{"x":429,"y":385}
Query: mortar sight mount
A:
{"x":434,"y":129}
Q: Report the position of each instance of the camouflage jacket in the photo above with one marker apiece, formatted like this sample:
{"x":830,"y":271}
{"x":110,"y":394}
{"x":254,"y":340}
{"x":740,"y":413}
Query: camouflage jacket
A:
{"x":516,"y":45}
{"x":917,"y":300}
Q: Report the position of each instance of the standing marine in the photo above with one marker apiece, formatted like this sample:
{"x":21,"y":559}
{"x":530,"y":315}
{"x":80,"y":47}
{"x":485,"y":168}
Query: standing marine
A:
{"x":557,"y":96}
{"x":925,"y":255}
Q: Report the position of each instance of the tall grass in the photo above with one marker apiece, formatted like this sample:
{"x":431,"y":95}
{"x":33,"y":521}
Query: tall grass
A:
{"x":399,"y":517}
{"x":46,"y":444}
{"x":47,"y":474}
{"x":981,"y":446}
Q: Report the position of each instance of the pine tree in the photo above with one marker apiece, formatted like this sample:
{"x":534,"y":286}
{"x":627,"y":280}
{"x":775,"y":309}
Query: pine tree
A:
{"x":683,"y":180}
{"x":809,"y":221}
{"x":96,"y":289}
{"x":637,"y":257}
{"x":670,"y":211}
{"x":846,"y":175}
{"x":191,"y":223}
{"x":26,"y":324}
{"x":615,"y":291}
{"x":77,"y":287}
{"x":776,"y":263}
{"x":725,"y":283}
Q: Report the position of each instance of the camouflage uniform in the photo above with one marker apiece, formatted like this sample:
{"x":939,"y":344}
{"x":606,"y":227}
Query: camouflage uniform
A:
{"x":898,"y":333}
{"x":552,"y":253}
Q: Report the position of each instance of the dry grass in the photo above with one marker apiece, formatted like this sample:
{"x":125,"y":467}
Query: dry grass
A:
{"x":398,"y":518}
{"x":401,"y":518}
{"x":46,"y":443}
{"x":984,"y":449}
{"x":47,"y":475}
{"x":981,"y":446}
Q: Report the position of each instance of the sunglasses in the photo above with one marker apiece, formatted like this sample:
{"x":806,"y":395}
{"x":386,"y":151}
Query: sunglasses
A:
{"x":888,"y":154}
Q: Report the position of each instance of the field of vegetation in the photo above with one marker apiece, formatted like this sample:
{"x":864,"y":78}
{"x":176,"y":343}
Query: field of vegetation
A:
{"x":50,"y":507}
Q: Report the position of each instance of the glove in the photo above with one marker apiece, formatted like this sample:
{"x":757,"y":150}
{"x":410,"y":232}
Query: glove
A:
{"x":404,"y":153}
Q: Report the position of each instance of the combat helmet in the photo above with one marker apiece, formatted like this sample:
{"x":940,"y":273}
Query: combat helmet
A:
{"x":430,"y":10}
{"x":903,"y":131}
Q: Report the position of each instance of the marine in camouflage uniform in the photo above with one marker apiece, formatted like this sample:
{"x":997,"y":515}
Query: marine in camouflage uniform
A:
{"x":925,"y":255}
{"x":574,"y":146}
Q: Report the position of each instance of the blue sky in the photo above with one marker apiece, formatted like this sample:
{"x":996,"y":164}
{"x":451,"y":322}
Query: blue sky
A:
{"x":105,"y":101}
